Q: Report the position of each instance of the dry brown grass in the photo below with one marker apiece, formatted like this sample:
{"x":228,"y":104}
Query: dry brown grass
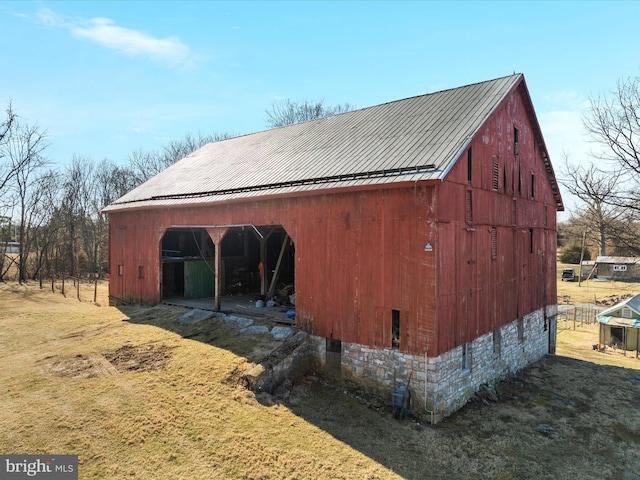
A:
{"x":590,"y":291}
{"x":185,"y":416}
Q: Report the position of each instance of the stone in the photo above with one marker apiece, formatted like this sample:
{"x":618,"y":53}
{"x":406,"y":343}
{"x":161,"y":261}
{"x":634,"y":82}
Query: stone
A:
{"x":545,"y":429}
{"x":255,"y":329}
{"x":281,"y":333}
{"x":194,"y":316}
{"x":245,"y":322}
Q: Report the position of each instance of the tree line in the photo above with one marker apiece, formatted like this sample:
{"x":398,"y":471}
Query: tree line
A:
{"x":54,"y":215}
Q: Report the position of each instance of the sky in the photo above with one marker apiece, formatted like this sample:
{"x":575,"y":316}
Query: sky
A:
{"x":105,"y":79}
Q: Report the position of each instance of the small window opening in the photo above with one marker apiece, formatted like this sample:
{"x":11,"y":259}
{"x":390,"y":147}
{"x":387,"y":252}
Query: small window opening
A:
{"x":519,"y":183}
{"x":626,"y":312}
{"x":120,"y":269}
{"x":533,"y":185}
{"x":514,"y":213}
{"x":546,"y":216}
{"x":466,"y":356}
{"x":497,"y":342}
{"x":496,"y":174}
{"x":520,"y":327}
{"x":531,"y":240}
{"x":141,"y":271}
{"x":494,"y":242}
{"x":395,"y":329}
{"x":469,"y":166}
{"x":504,"y":179}
{"x":515,"y":141}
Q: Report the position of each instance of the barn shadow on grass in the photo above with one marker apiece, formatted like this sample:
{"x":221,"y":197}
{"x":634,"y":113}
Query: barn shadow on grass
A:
{"x":212,"y":330}
{"x":364,"y":424}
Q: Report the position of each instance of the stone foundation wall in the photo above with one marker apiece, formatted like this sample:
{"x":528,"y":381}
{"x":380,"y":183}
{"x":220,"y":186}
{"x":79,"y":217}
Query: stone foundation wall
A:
{"x":444,"y":380}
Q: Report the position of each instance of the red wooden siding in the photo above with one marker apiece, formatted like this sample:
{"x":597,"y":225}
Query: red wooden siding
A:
{"x":476,"y":292}
{"x":359,"y":255}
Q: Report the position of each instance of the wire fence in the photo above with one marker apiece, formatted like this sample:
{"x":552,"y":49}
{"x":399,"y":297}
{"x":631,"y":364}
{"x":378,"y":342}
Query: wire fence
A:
{"x":571,"y":316}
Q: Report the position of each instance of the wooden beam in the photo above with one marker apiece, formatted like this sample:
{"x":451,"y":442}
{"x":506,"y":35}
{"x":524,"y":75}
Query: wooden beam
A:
{"x":276,"y":273}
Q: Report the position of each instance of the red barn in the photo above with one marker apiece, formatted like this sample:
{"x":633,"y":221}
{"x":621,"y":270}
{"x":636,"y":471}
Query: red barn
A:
{"x":419,"y":235}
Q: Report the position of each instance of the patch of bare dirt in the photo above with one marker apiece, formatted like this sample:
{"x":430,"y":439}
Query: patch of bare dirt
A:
{"x":141,"y":358}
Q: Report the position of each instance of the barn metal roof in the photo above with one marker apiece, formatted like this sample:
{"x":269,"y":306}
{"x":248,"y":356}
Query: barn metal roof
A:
{"x":410,"y":140}
{"x":613,"y":315}
{"x":618,"y":260}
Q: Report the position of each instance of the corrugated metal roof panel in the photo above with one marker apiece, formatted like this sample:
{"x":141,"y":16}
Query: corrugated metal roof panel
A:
{"x":425,"y":133}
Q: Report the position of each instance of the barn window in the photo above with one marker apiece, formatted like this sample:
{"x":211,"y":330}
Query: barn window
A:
{"x":395,"y":329}
{"x":496,"y":173}
{"x":504,"y":179}
{"x":619,"y":268}
{"x":497,"y":342}
{"x":515,"y":141}
{"x":531,"y":240}
{"x":546,"y":216}
{"x":120,"y":269}
{"x":533,"y":185}
{"x":469,"y":166}
{"x":520,"y":327}
{"x":519,"y":183}
{"x":466,"y":356}
{"x":494,"y":242}
{"x":140,"y":271}
{"x":626,"y":312}
{"x":469,"y":207}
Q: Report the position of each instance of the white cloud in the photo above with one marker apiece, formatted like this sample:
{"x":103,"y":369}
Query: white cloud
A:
{"x":568,"y":99}
{"x":134,"y":43}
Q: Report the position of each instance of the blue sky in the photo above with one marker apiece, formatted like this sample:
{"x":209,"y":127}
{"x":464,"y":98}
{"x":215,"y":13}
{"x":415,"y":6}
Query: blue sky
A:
{"x":107,"y":78}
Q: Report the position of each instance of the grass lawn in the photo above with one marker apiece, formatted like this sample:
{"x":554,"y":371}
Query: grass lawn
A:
{"x":136,"y":394}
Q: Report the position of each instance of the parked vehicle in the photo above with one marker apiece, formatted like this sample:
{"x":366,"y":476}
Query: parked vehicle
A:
{"x":568,"y":275}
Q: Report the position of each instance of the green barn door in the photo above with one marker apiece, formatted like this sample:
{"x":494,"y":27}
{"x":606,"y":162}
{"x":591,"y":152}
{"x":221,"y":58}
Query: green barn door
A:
{"x":198,"y":279}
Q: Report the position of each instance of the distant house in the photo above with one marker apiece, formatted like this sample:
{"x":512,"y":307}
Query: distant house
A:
{"x":620,"y":325}
{"x":419,"y":236}
{"x":623,"y":269}
{"x":10,"y":247}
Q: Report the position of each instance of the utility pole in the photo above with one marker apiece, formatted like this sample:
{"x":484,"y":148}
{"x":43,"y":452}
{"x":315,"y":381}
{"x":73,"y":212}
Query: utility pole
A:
{"x":584,"y":239}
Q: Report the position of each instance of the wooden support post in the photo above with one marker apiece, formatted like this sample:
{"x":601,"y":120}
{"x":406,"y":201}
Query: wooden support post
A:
{"x":217,"y":234}
{"x":276,"y":273}
{"x":263,"y":260}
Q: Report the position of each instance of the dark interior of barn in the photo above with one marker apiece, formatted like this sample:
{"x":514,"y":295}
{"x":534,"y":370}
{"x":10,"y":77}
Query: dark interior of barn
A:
{"x":257,"y":261}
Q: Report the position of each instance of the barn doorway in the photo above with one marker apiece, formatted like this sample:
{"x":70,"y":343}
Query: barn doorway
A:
{"x":187,"y":264}
{"x":259,"y":261}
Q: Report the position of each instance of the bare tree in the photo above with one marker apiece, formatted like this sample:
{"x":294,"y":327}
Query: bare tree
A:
{"x":288,"y":112}
{"x":613,"y":122}
{"x":145,"y":165}
{"x":7,"y":167}
{"x":598,"y":191}
{"x":24,"y":150}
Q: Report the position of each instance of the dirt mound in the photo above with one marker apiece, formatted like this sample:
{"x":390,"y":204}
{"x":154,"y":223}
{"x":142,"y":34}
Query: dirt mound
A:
{"x":142,"y":358}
